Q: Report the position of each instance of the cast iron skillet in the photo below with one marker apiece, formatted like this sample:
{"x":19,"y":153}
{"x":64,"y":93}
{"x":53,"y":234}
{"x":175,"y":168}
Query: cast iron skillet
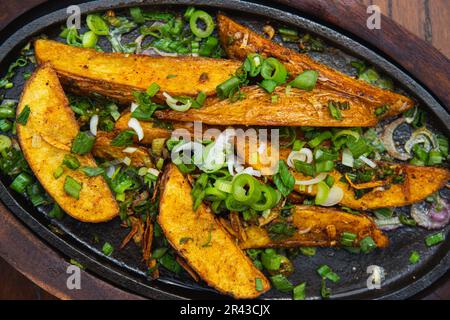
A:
{"x":124,"y":269}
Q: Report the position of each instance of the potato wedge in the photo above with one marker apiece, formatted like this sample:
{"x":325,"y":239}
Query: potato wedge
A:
{"x":118,"y":75}
{"x":317,"y":227}
{"x":298,"y":108}
{"x":238,"y":41}
{"x":203,"y":243}
{"x":419,"y":183}
{"x":47,"y":137}
{"x":103,"y":149}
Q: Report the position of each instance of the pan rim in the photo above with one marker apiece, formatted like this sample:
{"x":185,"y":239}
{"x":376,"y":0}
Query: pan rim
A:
{"x":124,"y":279}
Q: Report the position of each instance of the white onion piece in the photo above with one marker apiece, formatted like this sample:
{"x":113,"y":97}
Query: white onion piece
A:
{"x":152,"y":50}
{"x":129,"y":150}
{"x":173,"y":103}
{"x":126,"y":161}
{"x":303,"y":155}
{"x":153,"y":171}
{"x":320,"y":177}
{"x":367,"y":161}
{"x":347,"y":158}
{"x":136,"y":126}
{"x":388,"y":140}
{"x":93,"y":124}
{"x":110,"y":171}
{"x":251,"y":171}
{"x":134,"y":106}
{"x":334,"y":196}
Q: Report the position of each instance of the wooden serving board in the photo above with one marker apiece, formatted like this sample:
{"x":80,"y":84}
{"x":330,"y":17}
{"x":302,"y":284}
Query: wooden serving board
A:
{"x":47,"y":268}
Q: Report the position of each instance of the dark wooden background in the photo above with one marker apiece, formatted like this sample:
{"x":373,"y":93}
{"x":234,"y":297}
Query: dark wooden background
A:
{"x":428,"y":19}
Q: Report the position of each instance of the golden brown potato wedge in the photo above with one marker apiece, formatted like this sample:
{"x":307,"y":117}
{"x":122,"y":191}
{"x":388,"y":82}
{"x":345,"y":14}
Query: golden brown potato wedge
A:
{"x":239,"y":41}
{"x":118,"y":75}
{"x":103,"y":149}
{"x":419,"y":183}
{"x":298,"y":108}
{"x":47,"y":137}
{"x":203,"y":243}
{"x":317,"y":227}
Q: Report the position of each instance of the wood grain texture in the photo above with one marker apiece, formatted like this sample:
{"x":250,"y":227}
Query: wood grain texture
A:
{"x":402,"y":47}
{"x":13,"y":285}
{"x":45,"y":267}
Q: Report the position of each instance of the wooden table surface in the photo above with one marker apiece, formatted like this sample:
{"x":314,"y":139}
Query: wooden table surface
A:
{"x":428,"y":19}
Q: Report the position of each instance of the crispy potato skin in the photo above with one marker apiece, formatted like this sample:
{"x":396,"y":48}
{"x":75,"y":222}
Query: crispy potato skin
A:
{"x":419,"y":183}
{"x":211,"y":252}
{"x":118,"y":75}
{"x":298,"y":108}
{"x":296,"y":63}
{"x":103,"y":149}
{"x":317,"y":226}
{"x":52,"y":126}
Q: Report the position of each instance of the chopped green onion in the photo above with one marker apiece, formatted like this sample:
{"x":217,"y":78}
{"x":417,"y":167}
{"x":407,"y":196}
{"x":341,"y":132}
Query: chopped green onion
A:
{"x":322,"y":193}
{"x":58,"y":172}
{"x":123,"y":139}
{"x":281,"y":283}
{"x":89,"y":39}
{"x":367,"y":245}
{"x":5,"y":125}
{"x":5,"y":142}
{"x":298,"y":144}
{"x":271,"y":260}
{"x":246,"y":189}
{"x":283,"y":179}
{"x":96,"y":24}
{"x":308,"y":251}
{"x":268,"y":85}
{"x":298,"y":293}
{"x":23,"y":116}
{"x":227,"y":87}
{"x":107,"y":249}
{"x":207,"y":21}
{"x":83,"y":143}
{"x":268,"y":199}
{"x":381,"y":110}
{"x":434,"y":239}
{"x":137,"y":16}
{"x":7,"y":112}
{"x":414,"y":257}
{"x":434,"y":158}
{"x":253,"y":63}
{"x":72,"y":187}
{"x":334,"y":110}
{"x":407,"y":221}
{"x":324,"y":291}
{"x":306,"y":80}
{"x":21,"y":182}
{"x":358,"y":147}
{"x":92,"y":171}
{"x":153,"y":89}
{"x":348,"y":239}
{"x":71,"y":161}
{"x":272,"y":69}
{"x":320,"y":138}
{"x":324,"y":166}
{"x":258,"y":284}
{"x":307,"y":169}
{"x":325,"y":272}
{"x":56,"y":212}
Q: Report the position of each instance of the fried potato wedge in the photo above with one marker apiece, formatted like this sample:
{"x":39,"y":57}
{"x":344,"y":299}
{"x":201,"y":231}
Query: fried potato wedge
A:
{"x":47,"y":137}
{"x":238,"y":41}
{"x":200,"y":239}
{"x":103,"y":149}
{"x":419,"y":182}
{"x":317,"y":227}
{"x":118,"y":75}
{"x":296,"y":108}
